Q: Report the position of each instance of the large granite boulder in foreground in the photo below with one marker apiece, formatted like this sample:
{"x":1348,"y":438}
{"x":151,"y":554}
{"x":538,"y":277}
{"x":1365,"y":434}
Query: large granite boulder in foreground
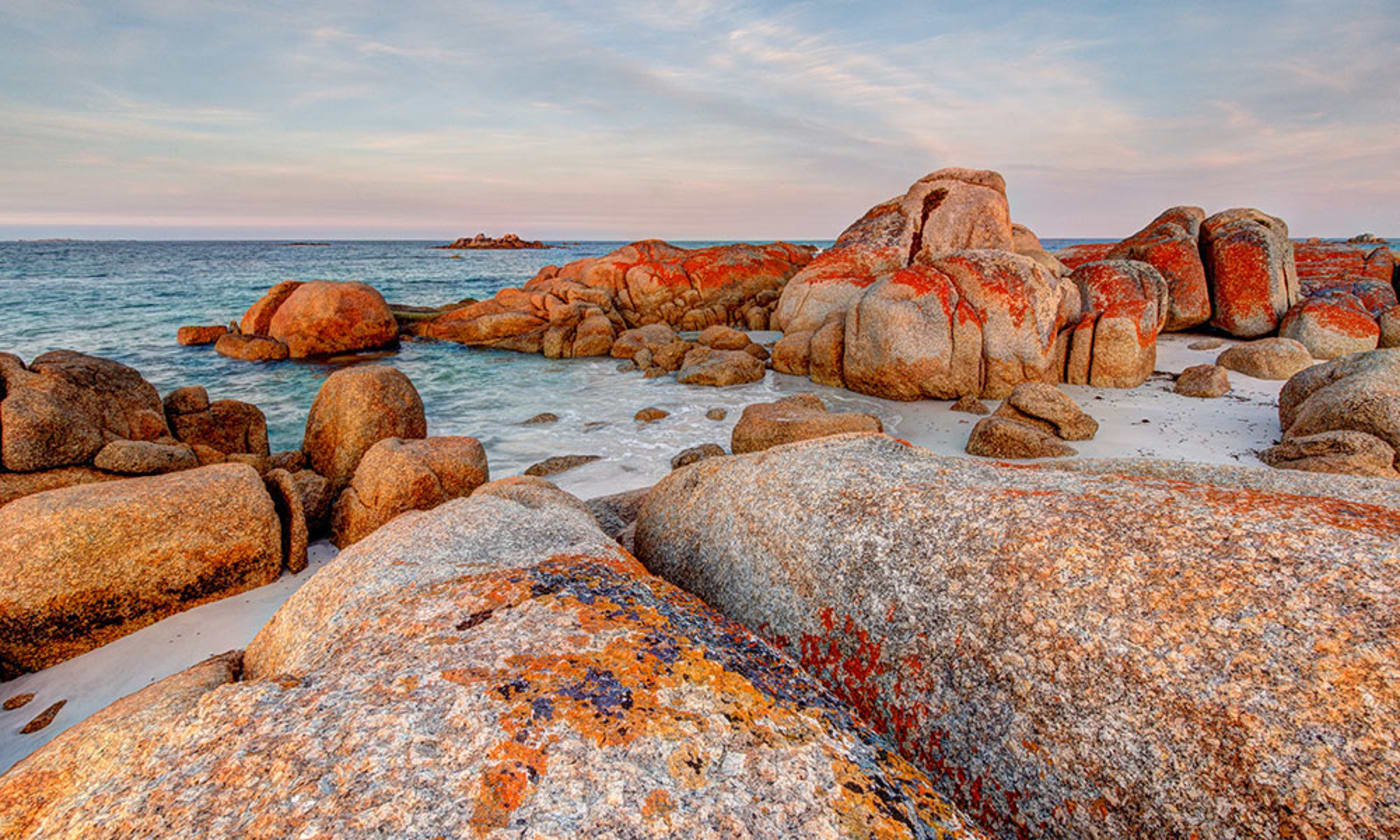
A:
{"x":356,"y":408}
{"x":947,"y":210}
{"x":1074,"y":655}
{"x":486,"y":669}
{"x":84,"y":565}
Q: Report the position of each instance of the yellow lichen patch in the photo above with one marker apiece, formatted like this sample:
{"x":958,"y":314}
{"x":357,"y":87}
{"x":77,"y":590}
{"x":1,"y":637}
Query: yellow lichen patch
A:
{"x":506,"y":784}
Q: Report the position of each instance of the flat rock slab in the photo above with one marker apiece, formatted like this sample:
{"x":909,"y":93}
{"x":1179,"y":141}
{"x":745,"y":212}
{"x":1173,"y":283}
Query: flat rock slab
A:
{"x":86,"y":564}
{"x":1167,"y":655}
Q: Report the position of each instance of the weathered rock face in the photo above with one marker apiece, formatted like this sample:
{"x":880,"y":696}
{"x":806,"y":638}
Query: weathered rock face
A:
{"x":227,"y":426}
{"x":1249,"y":260}
{"x":195,"y":335}
{"x":90,"y":563}
{"x":971,"y":322}
{"x":1203,"y":381}
{"x":1266,"y":358}
{"x":1027,"y":244}
{"x":1170,"y":244}
{"x":1074,"y":655}
{"x":291,"y":512}
{"x":944,"y":211}
{"x":1360,"y":393}
{"x":1002,"y":437}
{"x":250,"y":348}
{"x":581,"y":308}
{"x":798,"y":417}
{"x":1331,"y":325}
{"x":15,"y":485}
{"x":537,"y":679}
{"x":66,"y":406}
{"x":356,"y":408}
{"x":258,"y":319}
{"x":719,"y":368}
{"x":397,"y":475}
{"x":321,"y":318}
{"x":1337,"y":451}
{"x":1048,"y":409}
{"x":1076,"y":255}
{"x":144,"y":457}
{"x":1114,"y":343}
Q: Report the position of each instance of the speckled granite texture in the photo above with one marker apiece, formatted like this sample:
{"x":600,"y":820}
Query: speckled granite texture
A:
{"x":1075,"y":655}
{"x":483,"y":669}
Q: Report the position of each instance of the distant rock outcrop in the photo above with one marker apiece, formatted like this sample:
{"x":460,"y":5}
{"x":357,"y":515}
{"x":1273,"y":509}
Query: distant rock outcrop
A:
{"x":482,"y":242}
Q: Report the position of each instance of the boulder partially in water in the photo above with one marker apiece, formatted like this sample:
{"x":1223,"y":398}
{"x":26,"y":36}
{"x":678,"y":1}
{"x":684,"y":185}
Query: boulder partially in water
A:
{"x":485,"y":669}
{"x":1073,"y":655}
{"x":87,"y":564}
{"x":322,"y":318}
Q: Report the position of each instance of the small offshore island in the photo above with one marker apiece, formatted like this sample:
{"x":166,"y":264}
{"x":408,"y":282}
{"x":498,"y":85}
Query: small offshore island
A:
{"x":482,"y":242}
{"x":910,"y":643}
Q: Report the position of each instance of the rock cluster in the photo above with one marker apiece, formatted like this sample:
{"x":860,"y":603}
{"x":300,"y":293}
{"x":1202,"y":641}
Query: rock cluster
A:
{"x":1072,"y":655}
{"x":582,"y":308}
{"x":1359,"y":394}
{"x":298,"y":320}
{"x":1032,"y":422}
{"x":496,"y":665}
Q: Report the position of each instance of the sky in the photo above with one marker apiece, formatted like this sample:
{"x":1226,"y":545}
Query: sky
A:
{"x":688,"y":119}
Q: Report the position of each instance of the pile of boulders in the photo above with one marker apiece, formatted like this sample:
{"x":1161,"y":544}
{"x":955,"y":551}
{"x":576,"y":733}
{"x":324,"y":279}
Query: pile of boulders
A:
{"x":118,"y":508}
{"x":299,"y":320}
{"x":1342,"y":417}
{"x":1032,"y":422}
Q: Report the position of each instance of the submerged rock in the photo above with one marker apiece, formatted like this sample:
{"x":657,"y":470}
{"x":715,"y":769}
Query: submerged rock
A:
{"x":537,"y":679}
{"x":250,"y":348}
{"x":559,"y":463}
{"x":91,"y":563}
{"x":196,"y":335}
{"x":1058,"y":638}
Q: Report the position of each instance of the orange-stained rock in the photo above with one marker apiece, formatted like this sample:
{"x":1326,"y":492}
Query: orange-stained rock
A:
{"x":258,"y":319}
{"x":194,"y":335}
{"x":1203,"y":381}
{"x":792,"y":354}
{"x":398,"y":475}
{"x":66,"y":406}
{"x":719,"y":368}
{"x":1074,"y":256}
{"x":1249,"y":263}
{"x":721,"y":337}
{"x":316,"y":500}
{"x":356,"y":408}
{"x":798,"y":417}
{"x":14,"y":485}
{"x":229,"y":426}
{"x":1048,"y":409}
{"x":827,"y":351}
{"x":1170,"y":244}
{"x":971,"y":322}
{"x":90,"y":563}
{"x":250,"y":348}
{"x":579,"y":308}
{"x":651,"y":337}
{"x":321,"y":318}
{"x":1148,"y":649}
{"x":1266,"y":358}
{"x":944,"y":211}
{"x":144,"y":457}
{"x":1337,"y":451}
{"x":488,"y":669}
{"x":1125,"y":307}
{"x":1331,"y":325}
{"x":291,"y":513}
{"x":1332,"y":265}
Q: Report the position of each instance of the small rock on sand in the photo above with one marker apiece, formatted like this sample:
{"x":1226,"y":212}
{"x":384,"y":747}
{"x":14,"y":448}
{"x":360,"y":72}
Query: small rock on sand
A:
{"x":1204,"y":381}
{"x":970,"y":404}
{"x":1206,"y":344}
{"x":716,"y":414}
{"x":17,"y":701}
{"x":43,"y":719}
